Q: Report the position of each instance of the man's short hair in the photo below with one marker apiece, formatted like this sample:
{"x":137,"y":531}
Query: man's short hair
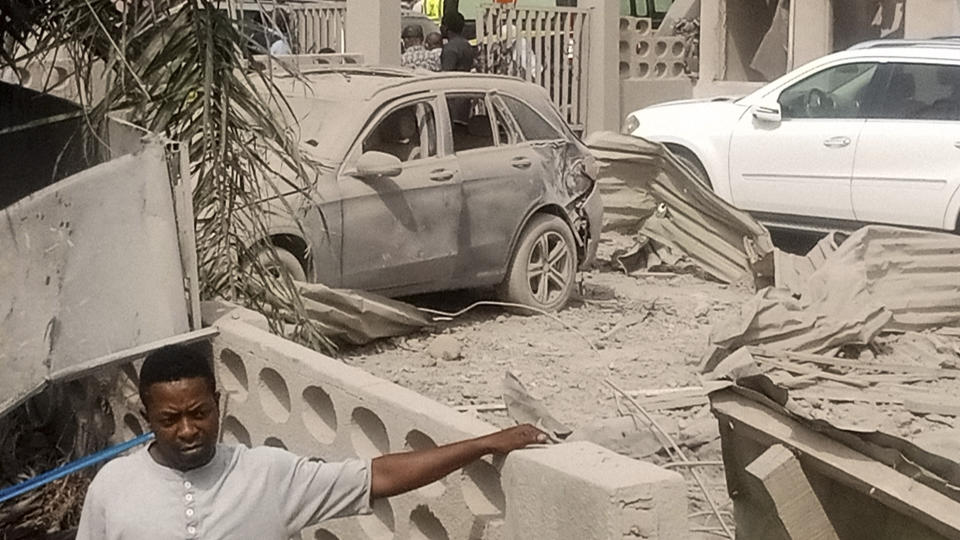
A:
{"x":412,"y":31}
{"x":176,"y":362}
{"x":454,"y":22}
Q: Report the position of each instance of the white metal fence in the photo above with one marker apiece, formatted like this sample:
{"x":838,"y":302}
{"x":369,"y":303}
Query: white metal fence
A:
{"x":317,"y":25}
{"x":546,"y":46}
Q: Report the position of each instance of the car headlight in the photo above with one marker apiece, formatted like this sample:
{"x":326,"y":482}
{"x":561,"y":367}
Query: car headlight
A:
{"x":630,"y":125}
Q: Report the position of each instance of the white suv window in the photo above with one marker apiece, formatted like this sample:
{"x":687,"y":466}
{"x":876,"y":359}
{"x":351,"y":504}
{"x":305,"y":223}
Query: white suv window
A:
{"x":922,"y":92}
{"x":836,"y":92}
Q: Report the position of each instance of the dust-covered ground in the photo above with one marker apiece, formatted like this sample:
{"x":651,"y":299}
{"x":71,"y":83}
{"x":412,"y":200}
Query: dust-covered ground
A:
{"x":640,"y":332}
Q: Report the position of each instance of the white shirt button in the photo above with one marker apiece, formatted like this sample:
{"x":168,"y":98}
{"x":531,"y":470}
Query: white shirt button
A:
{"x":187,"y":484}
{"x":188,"y":497}
{"x":192,"y":530}
{"x":189,"y":512}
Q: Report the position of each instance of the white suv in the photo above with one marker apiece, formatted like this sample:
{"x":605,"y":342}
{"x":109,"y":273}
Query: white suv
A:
{"x":866,"y":135}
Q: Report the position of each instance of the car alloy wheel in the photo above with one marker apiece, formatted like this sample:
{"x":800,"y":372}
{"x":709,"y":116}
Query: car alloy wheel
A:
{"x":543,"y":271}
{"x":548,"y":267}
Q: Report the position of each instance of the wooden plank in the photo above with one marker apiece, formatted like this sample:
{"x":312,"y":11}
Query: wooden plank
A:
{"x":855,"y":364}
{"x":945,"y":406}
{"x":840,"y":463}
{"x":797,"y":505}
{"x":804,"y":370}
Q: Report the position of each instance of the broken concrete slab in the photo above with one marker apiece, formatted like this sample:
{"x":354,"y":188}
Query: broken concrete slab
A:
{"x":603,"y":495}
{"x":863,"y":494}
{"x":797,"y":506}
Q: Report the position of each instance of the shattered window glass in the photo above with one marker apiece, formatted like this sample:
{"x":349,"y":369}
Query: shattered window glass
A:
{"x":533,"y":126}
{"x":469,"y":122}
{"x":408,"y":133}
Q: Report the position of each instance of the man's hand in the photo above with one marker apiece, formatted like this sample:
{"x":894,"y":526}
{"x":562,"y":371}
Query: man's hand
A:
{"x":514,"y":438}
{"x":393,"y":474}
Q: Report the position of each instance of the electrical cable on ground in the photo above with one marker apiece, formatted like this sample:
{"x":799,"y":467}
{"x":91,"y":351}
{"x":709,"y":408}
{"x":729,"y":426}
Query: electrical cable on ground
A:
{"x":455,"y":314}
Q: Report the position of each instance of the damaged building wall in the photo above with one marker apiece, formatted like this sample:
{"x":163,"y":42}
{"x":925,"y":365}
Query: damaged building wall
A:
{"x":745,"y":42}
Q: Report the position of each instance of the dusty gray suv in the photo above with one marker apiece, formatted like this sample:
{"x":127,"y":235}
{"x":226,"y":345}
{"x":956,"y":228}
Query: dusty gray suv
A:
{"x":437,"y":181}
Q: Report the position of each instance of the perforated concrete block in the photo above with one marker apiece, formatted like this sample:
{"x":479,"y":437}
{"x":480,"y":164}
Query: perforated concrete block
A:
{"x":581,"y":491}
{"x":282,"y":394}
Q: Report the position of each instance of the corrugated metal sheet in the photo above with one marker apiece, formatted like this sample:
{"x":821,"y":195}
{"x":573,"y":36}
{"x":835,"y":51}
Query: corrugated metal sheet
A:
{"x":726,"y":242}
{"x":792,"y":271}
{"x":356,"y":316}
{"x":914,"y":274}
{"x":881,"y":278}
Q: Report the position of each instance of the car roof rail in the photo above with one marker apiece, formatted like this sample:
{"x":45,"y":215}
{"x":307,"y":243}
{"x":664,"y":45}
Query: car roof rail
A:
{"x":940,"y":42}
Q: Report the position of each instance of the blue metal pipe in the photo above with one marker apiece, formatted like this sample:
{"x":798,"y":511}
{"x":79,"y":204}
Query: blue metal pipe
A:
{"x":16,"y":490}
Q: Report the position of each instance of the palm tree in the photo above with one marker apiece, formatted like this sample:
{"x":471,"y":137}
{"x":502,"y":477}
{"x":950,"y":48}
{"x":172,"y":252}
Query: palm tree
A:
{"x":176,"y":67}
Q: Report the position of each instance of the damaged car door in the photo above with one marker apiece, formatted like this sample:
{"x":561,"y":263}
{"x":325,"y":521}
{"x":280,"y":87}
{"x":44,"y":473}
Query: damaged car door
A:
{"x":501,"y":182}
{"x":401,"y":201}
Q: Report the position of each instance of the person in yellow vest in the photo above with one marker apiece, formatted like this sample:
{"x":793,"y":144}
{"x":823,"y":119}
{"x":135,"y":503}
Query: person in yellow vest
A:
{"x":433,"y":9}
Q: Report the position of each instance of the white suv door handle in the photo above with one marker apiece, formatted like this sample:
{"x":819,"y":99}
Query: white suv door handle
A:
{"x":837,"y":142}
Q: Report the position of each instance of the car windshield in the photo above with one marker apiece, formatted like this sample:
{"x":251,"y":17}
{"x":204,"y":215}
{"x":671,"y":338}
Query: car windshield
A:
{"x":323,"y":125}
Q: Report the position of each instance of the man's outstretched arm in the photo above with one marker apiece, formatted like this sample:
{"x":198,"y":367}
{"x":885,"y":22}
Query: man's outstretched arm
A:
{"x":393,"y":474}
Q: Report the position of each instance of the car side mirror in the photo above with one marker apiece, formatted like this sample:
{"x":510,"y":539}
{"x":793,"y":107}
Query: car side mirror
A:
{"x":768,"y":112}
{"x":372,"y":164}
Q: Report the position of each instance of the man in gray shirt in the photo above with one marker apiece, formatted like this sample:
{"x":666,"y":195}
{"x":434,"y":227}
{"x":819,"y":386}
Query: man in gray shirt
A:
{"x":185,"y":485}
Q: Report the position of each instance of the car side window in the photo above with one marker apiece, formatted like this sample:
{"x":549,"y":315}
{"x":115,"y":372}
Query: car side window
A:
{"x":507,"y":130}
{"x":922,"y":92}
{"x":533,"y":126}
{"x":409,"y":133}
{"x":470,"y":122}
{"x":836,"y":92}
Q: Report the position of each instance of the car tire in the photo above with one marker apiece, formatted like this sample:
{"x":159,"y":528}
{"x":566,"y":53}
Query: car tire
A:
{"x":534,"y":278}
{"x":287,"y":260}
{"x":691,"y":161}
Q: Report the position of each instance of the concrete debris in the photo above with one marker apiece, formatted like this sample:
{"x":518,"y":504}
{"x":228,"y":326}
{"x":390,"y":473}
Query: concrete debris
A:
{"x":859,"y":472}
{"x":879,"y":279}
{"x":358,"y":317}
{"x":445,"y":347}
{"x":690,"y":220}
{"x":524,"y":408}
{"x":625,"y":435}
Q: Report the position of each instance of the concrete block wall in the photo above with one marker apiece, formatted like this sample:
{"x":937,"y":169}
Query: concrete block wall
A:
{"x":644,"y":55}
{"x":281,"y":394}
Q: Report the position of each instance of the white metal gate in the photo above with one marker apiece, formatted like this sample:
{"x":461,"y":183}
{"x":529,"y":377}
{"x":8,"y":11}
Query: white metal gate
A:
{"x":317,"y":25}
{"x":545,"y":46}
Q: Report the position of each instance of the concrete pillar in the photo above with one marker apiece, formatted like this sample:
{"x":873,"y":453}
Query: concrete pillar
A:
{"x":931,"y":18}
{"x":581,"y":491}
{"x":712,"y":41}
{"x":811,"y":31}
{"x":373,"y":29}
{"x":603,"y":70}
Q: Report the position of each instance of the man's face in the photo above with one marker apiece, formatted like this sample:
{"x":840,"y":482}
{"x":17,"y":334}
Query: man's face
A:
{"x":185,"y":416}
